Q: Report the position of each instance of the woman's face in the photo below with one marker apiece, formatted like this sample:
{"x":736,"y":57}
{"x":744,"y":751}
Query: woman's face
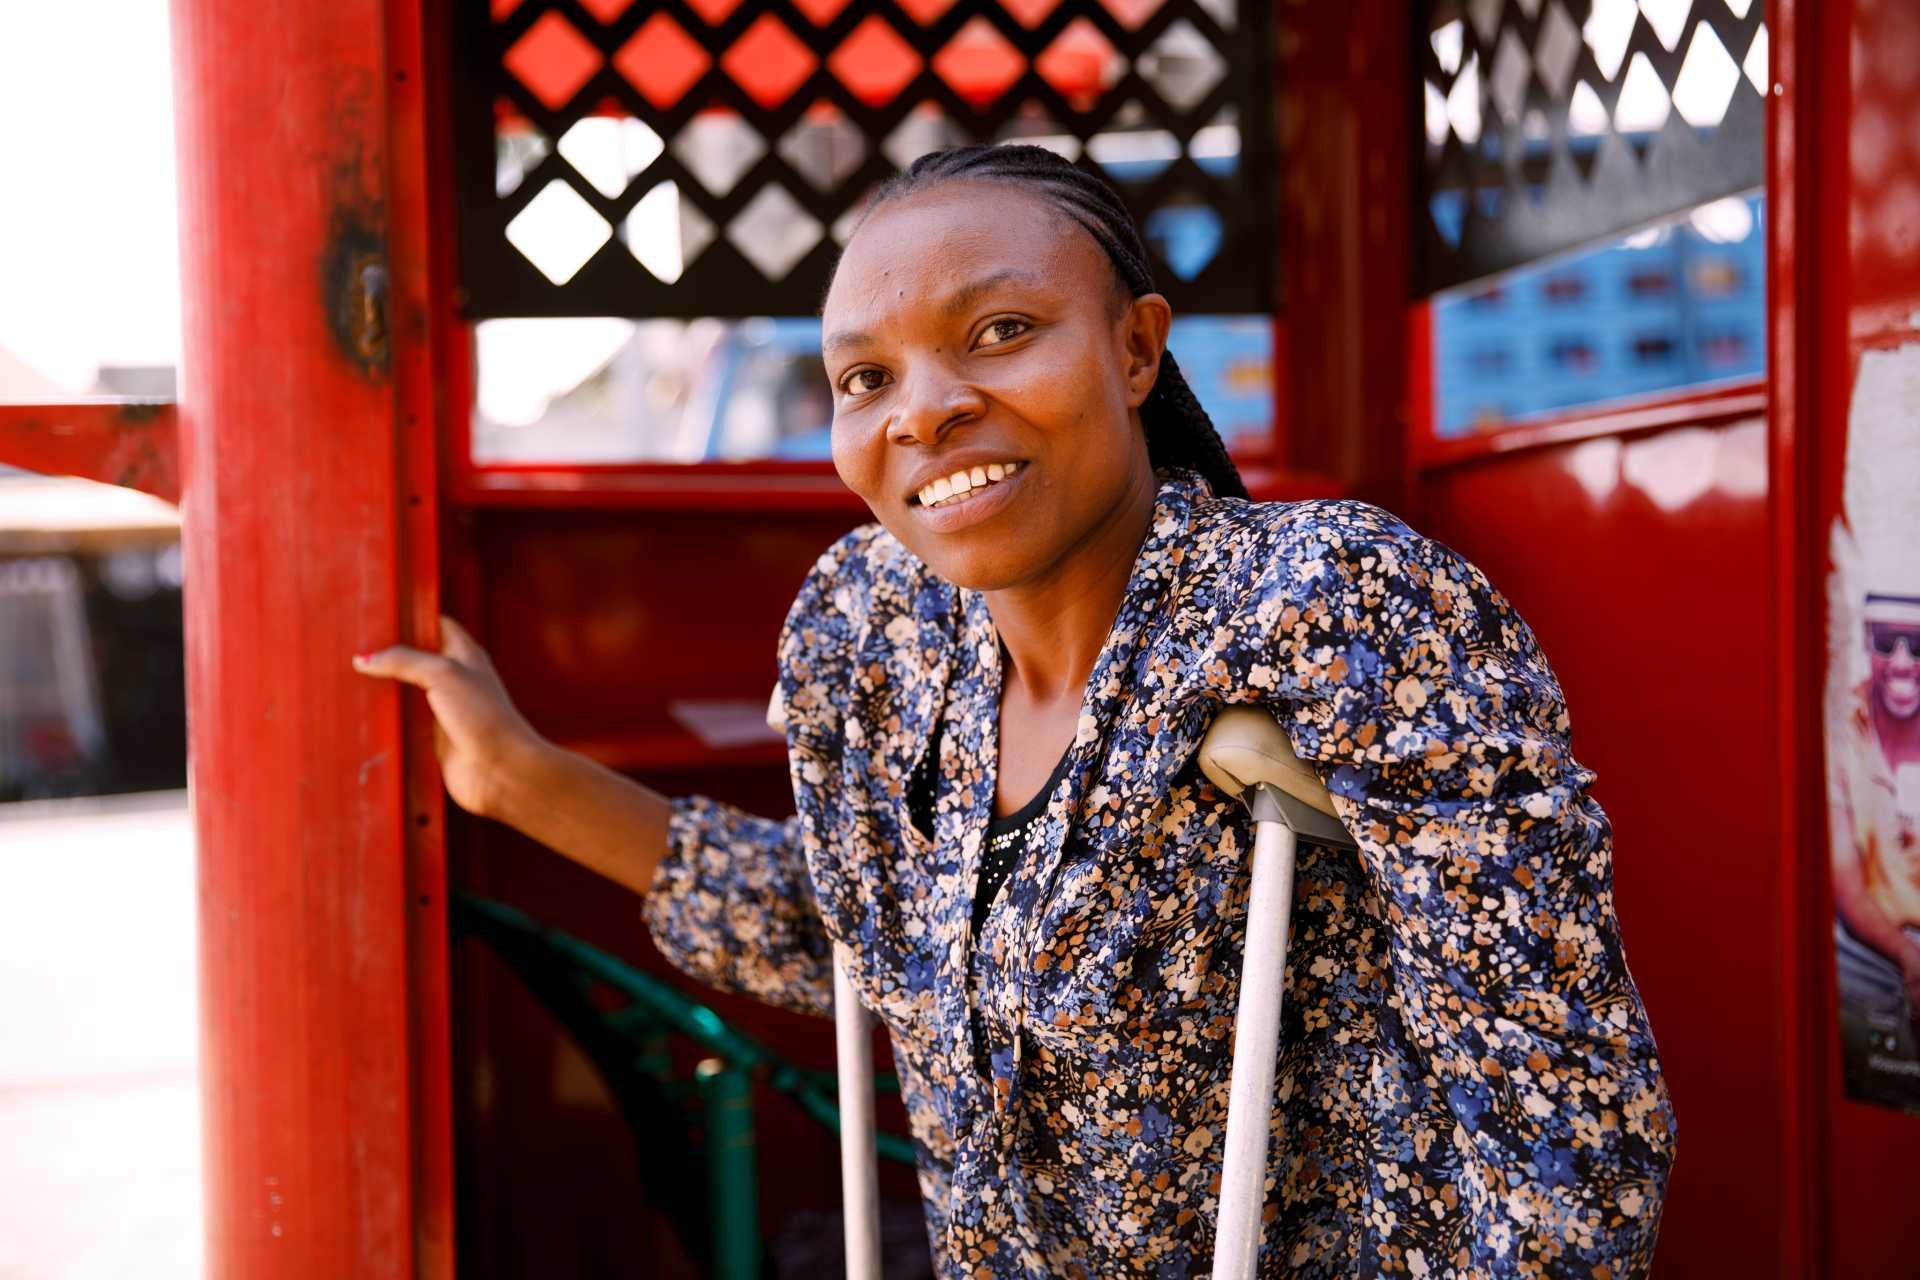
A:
{"x":974,"y":329}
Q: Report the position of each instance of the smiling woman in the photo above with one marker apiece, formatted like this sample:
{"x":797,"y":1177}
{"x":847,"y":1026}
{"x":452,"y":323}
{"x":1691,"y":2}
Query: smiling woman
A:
{"x":993,"y":697}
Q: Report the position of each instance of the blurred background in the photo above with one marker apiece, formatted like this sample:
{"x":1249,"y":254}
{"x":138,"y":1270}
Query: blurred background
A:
{"x":99,"y":1109}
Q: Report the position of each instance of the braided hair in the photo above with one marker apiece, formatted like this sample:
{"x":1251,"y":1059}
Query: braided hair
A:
{"x":1179,"y":432}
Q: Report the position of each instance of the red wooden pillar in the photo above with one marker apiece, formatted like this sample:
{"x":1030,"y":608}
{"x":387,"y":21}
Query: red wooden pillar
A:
{"x":308,"y":505}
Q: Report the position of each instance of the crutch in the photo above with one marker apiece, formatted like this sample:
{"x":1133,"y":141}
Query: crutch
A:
{"x":859,"y":1159}
{"x":1246,"y":754}
{"x":853,"y":1050}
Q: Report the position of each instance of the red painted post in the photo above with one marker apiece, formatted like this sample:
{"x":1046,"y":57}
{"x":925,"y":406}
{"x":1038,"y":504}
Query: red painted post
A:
{"x":304,"y":369}
{"x":1345,"y":236}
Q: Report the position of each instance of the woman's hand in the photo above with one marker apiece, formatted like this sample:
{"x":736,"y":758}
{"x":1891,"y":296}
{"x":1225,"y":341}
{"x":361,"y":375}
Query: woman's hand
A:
{"x":478,"y":734}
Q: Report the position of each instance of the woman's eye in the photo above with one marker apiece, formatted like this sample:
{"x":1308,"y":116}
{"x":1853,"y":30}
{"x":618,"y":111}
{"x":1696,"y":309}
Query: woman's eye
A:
{"x":863,"y":381}
{"x":1003,"y":330}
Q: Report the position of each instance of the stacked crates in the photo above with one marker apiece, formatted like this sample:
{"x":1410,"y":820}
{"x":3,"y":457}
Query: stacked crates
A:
{"x":1675,"y":306}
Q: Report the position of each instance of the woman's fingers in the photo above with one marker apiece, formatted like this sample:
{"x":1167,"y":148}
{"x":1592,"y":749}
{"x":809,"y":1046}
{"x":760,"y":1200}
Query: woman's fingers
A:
{"x":418,"y":666}
{"x":400,"y":662}
{"x":458,"y":643}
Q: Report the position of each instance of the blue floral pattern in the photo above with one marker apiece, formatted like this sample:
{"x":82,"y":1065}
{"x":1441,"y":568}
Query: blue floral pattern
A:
{"x":1467,"y":1086}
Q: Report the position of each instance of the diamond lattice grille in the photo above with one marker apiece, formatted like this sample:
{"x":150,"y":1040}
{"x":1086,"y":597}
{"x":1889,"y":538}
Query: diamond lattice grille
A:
{"x":1552,"y":123}
{"x":709,"y":157}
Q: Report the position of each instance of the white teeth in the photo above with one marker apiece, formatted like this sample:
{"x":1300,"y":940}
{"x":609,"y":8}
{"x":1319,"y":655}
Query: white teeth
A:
{"x":957,"y":486}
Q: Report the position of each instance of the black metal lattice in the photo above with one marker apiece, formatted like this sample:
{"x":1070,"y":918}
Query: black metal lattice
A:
{"x":1550,"y":124}
{"x":708,"y":157}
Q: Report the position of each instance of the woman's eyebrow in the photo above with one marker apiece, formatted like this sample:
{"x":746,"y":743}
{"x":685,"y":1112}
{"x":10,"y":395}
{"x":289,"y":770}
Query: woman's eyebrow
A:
{"x":959,"y":300}
{"x":971,"y":292}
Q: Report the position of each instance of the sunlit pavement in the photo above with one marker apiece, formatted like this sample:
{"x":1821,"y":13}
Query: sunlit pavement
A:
{"x":99,"y":1117}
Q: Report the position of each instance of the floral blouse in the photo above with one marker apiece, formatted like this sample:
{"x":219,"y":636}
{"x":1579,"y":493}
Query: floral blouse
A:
{"x":1467,"y":1082}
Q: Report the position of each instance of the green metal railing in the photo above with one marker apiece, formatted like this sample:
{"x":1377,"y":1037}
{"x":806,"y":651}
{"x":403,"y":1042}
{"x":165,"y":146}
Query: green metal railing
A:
{"x":629,"y":1047}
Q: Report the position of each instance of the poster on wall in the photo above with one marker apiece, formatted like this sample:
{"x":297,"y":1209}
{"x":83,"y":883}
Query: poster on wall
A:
{"x":1871,"y":713}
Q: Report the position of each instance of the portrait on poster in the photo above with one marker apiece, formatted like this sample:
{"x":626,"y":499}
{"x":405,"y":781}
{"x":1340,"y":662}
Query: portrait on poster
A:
{"x":1871,"y":713}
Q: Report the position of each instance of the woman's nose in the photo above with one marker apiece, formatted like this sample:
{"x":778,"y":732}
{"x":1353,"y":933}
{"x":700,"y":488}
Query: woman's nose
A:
{"x":934,"y":403}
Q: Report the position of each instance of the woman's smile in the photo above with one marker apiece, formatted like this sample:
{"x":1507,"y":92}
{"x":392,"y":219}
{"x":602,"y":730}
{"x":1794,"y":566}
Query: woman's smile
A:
{"x":964,"y":480}
{"x":953,"y":508}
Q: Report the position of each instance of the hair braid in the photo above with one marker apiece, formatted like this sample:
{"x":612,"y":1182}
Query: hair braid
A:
{"x":1179,"y":432}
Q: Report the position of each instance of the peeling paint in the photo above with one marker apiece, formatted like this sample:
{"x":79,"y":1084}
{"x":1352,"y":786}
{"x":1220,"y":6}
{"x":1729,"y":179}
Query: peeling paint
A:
{"x":367,"y":765}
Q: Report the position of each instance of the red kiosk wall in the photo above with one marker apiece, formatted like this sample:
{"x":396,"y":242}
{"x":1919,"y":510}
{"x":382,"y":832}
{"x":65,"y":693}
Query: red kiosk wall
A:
{"x":1637,"y":553}
{"x":1673,"y":563}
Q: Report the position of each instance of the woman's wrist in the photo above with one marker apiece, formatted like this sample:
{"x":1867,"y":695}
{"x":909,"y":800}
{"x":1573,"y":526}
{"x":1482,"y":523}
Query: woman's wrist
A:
{"x":580,"y":809}
{"x":524,"y":771}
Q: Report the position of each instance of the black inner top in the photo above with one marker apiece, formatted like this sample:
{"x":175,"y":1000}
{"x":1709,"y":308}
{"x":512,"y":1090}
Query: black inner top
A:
{"x":1007,"y":841}
{"x":1007,"y":837}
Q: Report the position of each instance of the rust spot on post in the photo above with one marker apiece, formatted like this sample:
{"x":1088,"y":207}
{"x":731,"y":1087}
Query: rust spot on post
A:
{"x":353,"y":266}
{"x":356,"y":290}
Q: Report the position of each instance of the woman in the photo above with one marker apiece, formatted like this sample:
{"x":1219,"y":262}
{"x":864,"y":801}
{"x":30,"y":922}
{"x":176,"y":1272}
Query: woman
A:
{"x":993,"y":700}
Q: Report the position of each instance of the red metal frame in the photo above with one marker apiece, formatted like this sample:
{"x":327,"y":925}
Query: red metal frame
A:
{"x":1790,"y":286}
{"x":1779,"y":1174}
{"x":1718,"y":404}
{"x":1345,"y":241}
{"x":1751,"y":1188}
{"x":419,"y":183}
{"x":131,"y":443}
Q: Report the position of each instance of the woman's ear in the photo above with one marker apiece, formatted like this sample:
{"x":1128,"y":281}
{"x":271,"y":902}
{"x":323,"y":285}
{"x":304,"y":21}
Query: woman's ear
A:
{"x":1143,"y":336}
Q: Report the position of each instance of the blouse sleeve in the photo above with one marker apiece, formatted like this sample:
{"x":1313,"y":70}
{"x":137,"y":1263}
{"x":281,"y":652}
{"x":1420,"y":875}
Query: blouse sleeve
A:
{"x":1443,"y":735}
{"x":732,"y":905}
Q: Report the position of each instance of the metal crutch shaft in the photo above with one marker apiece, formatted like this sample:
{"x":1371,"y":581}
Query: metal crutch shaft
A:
{"x":853,"y":1061}
{"x":859,"y":1158}
{"x":1256,"y":1042}
{"x":1247,"y":754}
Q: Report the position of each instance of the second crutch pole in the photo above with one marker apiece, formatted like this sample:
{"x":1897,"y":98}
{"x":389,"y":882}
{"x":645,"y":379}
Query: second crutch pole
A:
{"x":859,"y":1157}
{"x":1247,"y":754}
{"x":853,"y":1052}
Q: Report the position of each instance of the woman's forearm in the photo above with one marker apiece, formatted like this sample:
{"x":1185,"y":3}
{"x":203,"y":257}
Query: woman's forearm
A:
{"x":585,"y":811}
